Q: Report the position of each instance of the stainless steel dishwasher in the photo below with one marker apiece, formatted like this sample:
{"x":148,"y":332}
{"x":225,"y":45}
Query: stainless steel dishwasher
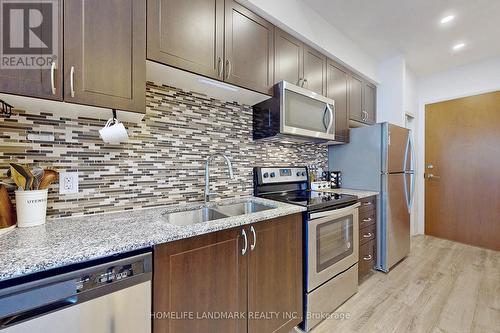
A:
{"x":110,"y":297}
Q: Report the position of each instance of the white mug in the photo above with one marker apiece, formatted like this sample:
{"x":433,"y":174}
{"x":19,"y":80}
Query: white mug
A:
{"x":113,"y":132}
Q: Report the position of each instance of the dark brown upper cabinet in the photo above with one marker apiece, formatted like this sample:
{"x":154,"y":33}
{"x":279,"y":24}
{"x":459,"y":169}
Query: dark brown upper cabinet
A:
{"x":299,"y":64}
{"x":355,"y":98}
{"x":187,"y":35}
{"x":370,"y":103}
{"x":338,"y":90}
{"x":288,"y":58}
{"x":314,"y":71}
{"x":42,"y":82}
{"x":248,"y":49}
{"x":105,"y":53}
{"x":362,"y":101}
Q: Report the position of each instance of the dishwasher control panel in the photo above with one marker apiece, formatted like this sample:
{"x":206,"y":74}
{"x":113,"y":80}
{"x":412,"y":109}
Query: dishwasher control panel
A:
{"x":109,"y":275}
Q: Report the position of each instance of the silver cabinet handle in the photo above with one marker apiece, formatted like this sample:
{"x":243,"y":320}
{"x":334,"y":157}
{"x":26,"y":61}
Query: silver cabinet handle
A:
{"x":367,"y":220}
{"x":252,"y":229}
{"x":72,"y":80}
{"x":368,"y":235}
{"x":298,"y":83}
{"x":368,"y":257}
{"x":367,"y":203}
{"x":228,"y":65}
{"x":52,"y":77}
{"x":306,"y":83}
{"x":219,"y":67}
{"x":244,"y":234}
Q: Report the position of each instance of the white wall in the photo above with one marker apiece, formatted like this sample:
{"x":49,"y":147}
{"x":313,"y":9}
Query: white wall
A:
{"x":391,"y":91}
{"x":459,"y":82}
{"x":297,"y":18}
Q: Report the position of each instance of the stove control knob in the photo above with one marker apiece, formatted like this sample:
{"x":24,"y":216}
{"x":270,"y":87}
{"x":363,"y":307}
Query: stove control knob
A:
{"x":265,"y":175}
{"x":298,"y":174}
{"x":273,"y":174}
{"x":303,"y":173}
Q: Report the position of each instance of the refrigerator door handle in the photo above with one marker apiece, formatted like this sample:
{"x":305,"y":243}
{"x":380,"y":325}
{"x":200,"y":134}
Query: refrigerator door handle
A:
{"x":407,"y":194}
{"x":407,"y":150}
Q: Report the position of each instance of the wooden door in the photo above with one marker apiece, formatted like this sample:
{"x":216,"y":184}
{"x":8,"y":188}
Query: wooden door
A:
{"x":338,"y":90}
{"x":201,"y":275}
{"x":275,"y":274}
{"x":370,"y":103}
{"x":248,"y":49}
{"x":40,"y":82}
{"x":187,"y":34}
{"x":288,"y":58}
{"x":105,"y":53}
{"x":314,"y":70}
{"x":462,"y":148}
{"x":355,"y":98}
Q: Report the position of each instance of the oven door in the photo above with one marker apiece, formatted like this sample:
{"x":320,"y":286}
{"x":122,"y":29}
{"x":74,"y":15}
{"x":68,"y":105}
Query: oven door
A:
{"x":332,"y":244}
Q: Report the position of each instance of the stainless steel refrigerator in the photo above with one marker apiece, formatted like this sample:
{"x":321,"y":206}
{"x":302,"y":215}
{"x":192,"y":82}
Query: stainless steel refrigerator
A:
{"x":381,"y":158}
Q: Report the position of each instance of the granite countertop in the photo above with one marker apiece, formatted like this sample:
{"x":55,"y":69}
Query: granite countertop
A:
{"x":359,"y":193}
{"x":66,"y":241}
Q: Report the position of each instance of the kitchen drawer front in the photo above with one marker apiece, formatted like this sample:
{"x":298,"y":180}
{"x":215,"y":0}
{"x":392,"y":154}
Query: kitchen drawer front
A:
{"x":367,"y":218}
{"x":367,"y":253}
{"x":368,"y":204}
{"x":367,"y":234}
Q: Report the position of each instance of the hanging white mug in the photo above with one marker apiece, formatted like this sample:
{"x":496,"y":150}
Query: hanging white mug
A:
{"x":113,"y":132}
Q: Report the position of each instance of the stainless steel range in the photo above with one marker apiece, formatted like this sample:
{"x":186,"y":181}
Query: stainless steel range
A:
{"x":330,"y":238}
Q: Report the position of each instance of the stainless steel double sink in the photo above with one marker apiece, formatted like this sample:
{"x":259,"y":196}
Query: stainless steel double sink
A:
{"x":220,"y":211}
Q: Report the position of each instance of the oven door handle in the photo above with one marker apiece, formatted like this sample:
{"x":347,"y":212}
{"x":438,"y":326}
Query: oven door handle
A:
{"x":314,"y":216}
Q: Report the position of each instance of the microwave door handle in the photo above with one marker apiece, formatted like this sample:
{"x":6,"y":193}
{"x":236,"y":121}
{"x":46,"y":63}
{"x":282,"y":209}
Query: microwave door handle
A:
{"x":329,"y":128}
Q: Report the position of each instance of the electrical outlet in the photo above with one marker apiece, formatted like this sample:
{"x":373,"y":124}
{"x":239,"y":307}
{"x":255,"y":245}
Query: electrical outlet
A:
{"x":68,"y":182}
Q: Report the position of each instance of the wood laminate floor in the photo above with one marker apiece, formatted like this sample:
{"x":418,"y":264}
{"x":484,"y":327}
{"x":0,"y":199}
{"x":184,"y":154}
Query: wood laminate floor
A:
{"x":442,"y":286}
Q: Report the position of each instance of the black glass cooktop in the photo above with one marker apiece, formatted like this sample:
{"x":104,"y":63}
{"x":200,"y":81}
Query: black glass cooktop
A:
{"x":313,"y":199}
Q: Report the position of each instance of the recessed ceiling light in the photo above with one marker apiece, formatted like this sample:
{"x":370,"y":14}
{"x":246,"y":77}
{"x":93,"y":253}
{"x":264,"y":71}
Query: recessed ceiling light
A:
{"x":447,"y":19}
{"x":458,"y":46}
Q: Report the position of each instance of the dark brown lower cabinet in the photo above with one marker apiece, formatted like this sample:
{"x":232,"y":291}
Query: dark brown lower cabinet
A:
{"x":207,"y":283}
{"x":367,"y":236}
{"x":275,"y":275}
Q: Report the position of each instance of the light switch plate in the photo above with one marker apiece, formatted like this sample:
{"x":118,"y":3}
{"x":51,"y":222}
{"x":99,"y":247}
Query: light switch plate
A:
{"x":68,"y":182}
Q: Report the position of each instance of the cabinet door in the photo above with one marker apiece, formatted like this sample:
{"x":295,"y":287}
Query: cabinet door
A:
{"x":248,"y":49}
{"x":105,"y":53}
{"x":201,"y":275}
{"x":314,"y":70}
{"x":288,"y":58}
{"x":187,"y":34}
{"x":355,"y":98}
{"x":275,"y":274}
{"x":338,"y":90}
{"x":38,"y":82}
{"x":370,"y":103}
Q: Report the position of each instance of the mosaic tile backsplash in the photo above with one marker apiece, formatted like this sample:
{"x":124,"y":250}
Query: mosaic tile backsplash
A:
{"x":161,"y":164}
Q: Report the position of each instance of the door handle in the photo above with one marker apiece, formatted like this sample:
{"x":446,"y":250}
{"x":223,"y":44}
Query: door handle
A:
{"x":368,"y":257}
{"x":367,"y":220}
{"x":219,"y":67}
{"x":252,"y":246}
{"x":244,"y":249}
{"x":368,"y":235}
{"x":331,"y":118}
{"x":72,"y":81}
{"x":52,"y":77}
{"x":228,"y":72}
{"x":298,"y":82}
{"x":431,"y":176}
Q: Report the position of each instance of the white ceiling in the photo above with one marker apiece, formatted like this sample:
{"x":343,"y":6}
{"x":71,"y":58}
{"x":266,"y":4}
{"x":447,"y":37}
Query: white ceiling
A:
{"x":385,"y":28}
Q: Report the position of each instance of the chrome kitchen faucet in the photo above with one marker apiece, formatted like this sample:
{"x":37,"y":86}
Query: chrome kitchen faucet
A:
{"x":207,"y":173}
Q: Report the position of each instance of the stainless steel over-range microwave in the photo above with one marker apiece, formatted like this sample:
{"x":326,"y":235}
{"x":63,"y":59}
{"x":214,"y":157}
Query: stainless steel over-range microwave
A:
{"x":294,"y":114}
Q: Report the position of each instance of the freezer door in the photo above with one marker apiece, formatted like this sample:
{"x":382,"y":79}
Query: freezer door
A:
{"x":397,"y":227}
{"x":397,"y":148}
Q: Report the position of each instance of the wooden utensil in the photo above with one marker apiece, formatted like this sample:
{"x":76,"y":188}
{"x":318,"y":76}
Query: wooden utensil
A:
{"x":7,"y":211}
{"x":22,"y":177}
{"x":38,"y":173}
{"x":49,"y":176}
